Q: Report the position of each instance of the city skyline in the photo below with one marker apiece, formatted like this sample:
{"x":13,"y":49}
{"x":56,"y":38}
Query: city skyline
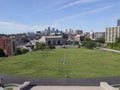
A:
{"x":19,"y":16}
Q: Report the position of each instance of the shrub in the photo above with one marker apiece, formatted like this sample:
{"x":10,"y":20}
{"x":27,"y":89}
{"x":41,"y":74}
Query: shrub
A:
{"x":76,"y":43}
{"x":24,"y":51}
{"x":20,"y":51}
{"x":89,"y":44}
{"x":40,"y":46}
{"x":2,"y":54}
{"x":51,"y":47}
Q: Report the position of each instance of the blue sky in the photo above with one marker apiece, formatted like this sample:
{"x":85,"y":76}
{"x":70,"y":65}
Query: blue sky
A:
{"x":17,"y":16}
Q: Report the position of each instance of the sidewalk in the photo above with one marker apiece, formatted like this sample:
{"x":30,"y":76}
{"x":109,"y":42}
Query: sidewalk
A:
{"x":109,"y":50}
{"x":66,"y":88}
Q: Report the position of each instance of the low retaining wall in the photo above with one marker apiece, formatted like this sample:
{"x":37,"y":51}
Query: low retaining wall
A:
{"x":24,"y":86}
{"x":106,"y":86}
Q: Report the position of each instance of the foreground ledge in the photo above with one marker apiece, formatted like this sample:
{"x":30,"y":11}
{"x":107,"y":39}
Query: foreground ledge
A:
{"x":103,"y":86}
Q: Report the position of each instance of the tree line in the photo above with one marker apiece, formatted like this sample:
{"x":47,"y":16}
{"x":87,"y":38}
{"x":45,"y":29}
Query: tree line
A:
{"x":115,"y":45}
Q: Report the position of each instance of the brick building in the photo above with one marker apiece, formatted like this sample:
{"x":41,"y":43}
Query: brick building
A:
{"x":7,"y":45}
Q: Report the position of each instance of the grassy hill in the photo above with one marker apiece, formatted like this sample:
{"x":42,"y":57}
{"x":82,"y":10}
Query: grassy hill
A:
{"x":63,"y":63}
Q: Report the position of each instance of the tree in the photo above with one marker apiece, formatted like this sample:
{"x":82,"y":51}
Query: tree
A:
{"x":40,"y":46}
{"x":85,"y":41}
{"x":79,"y":46}
{"x":100,"y":40}
{"x":18,"y":51}
{"x":115,"y":45}
{"x":24,"y":51}
{"x":51,"y":47}
{"x":90,"y":44}
{"x":2,"y":54}
{"x":117,"y":40}
{"x":76,"y":43}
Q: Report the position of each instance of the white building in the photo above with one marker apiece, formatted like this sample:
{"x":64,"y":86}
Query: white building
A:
{"x":79,"y":38}
{"x":111,"y":34}
{"x":52,"y":40}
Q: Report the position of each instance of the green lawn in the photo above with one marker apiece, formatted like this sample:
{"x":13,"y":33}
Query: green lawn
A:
{"x":62,"y":63}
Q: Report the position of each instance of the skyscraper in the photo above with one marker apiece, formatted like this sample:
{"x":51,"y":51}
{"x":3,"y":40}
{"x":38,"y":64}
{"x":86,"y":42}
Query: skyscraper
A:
{"x":118,"y":22}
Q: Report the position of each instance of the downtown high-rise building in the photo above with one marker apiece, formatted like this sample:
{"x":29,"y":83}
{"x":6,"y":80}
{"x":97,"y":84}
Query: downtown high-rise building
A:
{"x":118,"y":22}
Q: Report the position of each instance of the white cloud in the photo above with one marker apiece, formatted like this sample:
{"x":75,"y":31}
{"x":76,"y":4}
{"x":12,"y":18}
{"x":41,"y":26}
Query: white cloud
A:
{"x":76,"y":2}
{"x":93,"y":11}
{"x":58,"y":2}
{"x":12,"y":27}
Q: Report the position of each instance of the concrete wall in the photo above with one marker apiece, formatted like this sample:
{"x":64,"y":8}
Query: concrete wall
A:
{"x":24,"y":86}
{"x":106,"y":86}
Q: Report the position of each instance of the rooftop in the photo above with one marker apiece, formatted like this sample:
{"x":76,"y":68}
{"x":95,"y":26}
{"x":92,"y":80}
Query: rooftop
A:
{"x":53,"y":36}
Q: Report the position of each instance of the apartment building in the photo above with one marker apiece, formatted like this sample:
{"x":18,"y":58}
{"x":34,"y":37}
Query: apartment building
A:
{"x":112,"y":33}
